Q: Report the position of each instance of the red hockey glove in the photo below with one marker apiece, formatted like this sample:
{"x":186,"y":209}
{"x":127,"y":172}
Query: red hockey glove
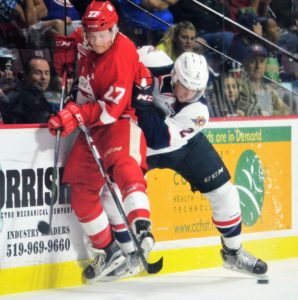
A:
{"x":143,"y":89}
{"x":68,"y":119}
{"x":65,"y":55}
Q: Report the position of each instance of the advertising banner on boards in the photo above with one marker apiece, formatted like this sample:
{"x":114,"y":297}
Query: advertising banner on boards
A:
{"x":260,"y":162}
{"x":259,"y":155}
{"x":26,"y":168}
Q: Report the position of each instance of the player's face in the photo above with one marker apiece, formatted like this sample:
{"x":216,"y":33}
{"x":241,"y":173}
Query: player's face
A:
{"x":100,"y":41}
{"x":182,"y":93}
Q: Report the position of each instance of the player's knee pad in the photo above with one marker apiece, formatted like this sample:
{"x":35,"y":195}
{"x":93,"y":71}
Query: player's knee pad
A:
{"x":127,"y":173}
{"x":225,"y":203}
{"x":136,"y":205}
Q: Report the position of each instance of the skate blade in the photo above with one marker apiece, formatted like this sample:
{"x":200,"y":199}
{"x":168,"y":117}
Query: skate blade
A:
{"x":116,"y":263}
{"x":127,"y":274}
{"x":235,"y":269}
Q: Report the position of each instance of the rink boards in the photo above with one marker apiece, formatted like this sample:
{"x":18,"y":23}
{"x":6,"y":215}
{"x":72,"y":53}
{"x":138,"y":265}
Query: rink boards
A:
{"x":261,"y":155}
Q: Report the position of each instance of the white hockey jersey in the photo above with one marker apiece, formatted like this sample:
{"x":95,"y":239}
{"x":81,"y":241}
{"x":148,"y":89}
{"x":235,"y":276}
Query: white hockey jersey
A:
{"x":170,"y":126}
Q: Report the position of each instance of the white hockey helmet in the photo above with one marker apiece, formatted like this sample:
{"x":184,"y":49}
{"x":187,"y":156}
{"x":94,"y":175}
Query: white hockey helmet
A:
{"x":191,"y":70}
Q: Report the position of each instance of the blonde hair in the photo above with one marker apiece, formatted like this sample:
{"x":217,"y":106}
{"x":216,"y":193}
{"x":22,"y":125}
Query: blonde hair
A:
{"x":169,"y":40}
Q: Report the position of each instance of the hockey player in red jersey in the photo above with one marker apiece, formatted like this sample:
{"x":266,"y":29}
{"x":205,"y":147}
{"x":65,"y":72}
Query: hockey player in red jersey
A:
{"x":107,"y":65}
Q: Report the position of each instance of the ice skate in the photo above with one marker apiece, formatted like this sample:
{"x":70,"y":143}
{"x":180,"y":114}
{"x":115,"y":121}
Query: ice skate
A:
{"x":130,"y":267}
{"x":242,"y":261}
{"x":105,"y":261}
{"x":132,"y":264}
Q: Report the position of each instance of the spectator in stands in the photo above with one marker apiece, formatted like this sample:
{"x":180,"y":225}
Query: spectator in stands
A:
{"x":230,"y":91}
{"x":270,"y":29}
{"x":243,"y":39}
{"x":26,"y":12}
{"x":287,"y":17}
{"x":81,"y":5}
{"x":58,"y":12}
{"x":6,"y":63}
{"x":271,"y":32}
{"x":209,"y":26}
{"x":289,"y":92}
{"x":35,"y":32}
{"x":178,"y":39}
{"x":258,"y":97}
{"x":3,"y":104}
{"x":17,"y":16}
{"x":289,"y":41}
{"x":8,"y":82}
{"x":30,"y":104}
{"x":134,"y":17}
{"x":259,"y":7}
{"x":284,"y":11}
{"x":223,"y":100}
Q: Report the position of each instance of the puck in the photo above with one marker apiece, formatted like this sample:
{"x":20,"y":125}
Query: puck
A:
{"x":263,"y":281}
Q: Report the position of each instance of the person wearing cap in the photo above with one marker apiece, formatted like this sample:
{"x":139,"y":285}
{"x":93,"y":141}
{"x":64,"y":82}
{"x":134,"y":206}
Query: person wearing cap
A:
{"x":107,"y":65}
{"x":258,"y":97}
{"x":243,"y":39}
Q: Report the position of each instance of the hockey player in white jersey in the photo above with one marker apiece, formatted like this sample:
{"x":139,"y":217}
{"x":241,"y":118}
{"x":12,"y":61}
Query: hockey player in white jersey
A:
{"x":184,"y":149}
{"x":172,"y":124}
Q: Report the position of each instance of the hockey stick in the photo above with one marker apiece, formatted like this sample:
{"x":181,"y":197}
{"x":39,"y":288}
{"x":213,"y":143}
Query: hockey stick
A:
{"x":150,"y":268}
{"x":43,"y":226}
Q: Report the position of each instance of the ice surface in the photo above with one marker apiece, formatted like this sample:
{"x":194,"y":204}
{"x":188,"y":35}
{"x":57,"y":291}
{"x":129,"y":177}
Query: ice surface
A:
{"x":206,"y":284}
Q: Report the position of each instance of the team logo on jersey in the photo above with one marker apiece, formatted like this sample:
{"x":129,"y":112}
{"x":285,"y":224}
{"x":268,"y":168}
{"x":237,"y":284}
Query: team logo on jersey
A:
{"x":249,"y":181}
{"x":84,"y":86}
{"x":199,"y":121}
{"x":170,"y":107}
{"x":112,"y":150}
{"x":83,"y":49}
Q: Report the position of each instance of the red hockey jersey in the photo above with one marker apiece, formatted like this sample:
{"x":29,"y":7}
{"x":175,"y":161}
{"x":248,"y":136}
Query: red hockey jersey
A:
{"x":107,"y":80}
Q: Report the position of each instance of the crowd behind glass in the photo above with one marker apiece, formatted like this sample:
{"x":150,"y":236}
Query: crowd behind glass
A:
{"x":252,"y":53}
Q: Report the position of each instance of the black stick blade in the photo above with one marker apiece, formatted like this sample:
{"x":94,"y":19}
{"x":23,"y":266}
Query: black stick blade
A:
{"x":43,"y":227}
{"x":153,"y":268}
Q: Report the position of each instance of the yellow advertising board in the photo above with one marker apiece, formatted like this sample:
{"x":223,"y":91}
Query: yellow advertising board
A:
{"x":259,"y":160}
